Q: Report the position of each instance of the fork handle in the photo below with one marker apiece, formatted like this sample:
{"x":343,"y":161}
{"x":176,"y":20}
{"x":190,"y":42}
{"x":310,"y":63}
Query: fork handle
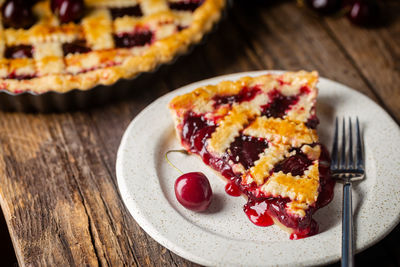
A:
{"x":347,"y":227}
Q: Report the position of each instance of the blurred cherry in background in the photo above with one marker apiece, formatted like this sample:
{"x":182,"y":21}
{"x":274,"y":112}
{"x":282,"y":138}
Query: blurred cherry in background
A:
{"x":363,"y":13}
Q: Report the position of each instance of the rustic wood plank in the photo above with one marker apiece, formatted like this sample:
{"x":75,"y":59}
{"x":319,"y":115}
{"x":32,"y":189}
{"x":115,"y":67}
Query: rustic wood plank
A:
{"x":49,"y":214}
{"x":107,"y":125}
{"x":63,"y":150}
{"x":294,"y":40}
{"x":375,"y":52}
{"x":58,"y":187}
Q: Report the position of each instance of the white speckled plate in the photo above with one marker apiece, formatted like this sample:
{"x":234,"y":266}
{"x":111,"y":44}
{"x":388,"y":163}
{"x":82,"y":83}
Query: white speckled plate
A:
{"x":224,"y":236}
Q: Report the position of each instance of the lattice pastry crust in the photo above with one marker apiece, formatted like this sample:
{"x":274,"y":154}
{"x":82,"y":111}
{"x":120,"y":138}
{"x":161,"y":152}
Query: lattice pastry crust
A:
{"x":169,"y":32}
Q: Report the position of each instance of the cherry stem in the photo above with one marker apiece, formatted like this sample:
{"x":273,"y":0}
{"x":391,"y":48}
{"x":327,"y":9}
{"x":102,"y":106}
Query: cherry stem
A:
{"x":170,"y":163}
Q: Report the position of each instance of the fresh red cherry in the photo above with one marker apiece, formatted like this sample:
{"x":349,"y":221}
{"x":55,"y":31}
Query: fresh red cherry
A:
{"x":16,"y":14}
{"x":364,"y":12}
{"x":324,"y":7}
{"x":68,"y":10}
{"x":54,"y":5}
{"x":193,"y":191}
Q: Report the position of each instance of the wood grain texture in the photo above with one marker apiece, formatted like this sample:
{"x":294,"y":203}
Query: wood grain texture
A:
{"x":58,"y":187}
{"x":375,"y":54}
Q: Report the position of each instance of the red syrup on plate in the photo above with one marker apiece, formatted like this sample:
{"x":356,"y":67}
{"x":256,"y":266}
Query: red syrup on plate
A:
{"x":196,"y":129}
{"x":256,"y":211}
{"x":232,"y":189}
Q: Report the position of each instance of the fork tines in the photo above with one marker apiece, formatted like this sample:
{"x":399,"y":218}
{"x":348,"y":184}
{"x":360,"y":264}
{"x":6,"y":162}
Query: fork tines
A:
{"x":346,"y":163}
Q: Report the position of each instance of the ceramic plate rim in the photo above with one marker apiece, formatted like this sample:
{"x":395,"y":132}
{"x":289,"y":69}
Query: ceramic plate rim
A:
{"x":161,"y":236}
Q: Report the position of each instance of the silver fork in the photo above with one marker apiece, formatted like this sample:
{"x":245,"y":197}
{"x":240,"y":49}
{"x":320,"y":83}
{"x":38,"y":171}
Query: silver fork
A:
{"x":347,"y":167}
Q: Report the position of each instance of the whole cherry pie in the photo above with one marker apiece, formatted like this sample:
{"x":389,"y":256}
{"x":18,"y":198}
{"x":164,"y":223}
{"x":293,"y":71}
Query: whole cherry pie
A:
{"x":59,"y":45}
{"x":260,"y":135}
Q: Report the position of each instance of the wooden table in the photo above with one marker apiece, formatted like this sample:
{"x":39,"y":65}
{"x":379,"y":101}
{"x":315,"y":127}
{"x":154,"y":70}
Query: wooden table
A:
{"x":58,"y":188}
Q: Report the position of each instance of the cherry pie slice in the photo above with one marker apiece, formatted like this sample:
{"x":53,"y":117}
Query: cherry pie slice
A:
{"x":60,"y":45}
{"x":260,"y":135}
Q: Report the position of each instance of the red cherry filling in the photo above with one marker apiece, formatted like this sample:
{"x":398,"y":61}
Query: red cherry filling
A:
{"x":180,"y":28}
{"x":260,"y":211}
{"x":327,"y":184}
{"x":305,"y":90}
{"x":186,"y":5}
{"x":13,"y":75}
{"x":196,"y":130}
{"x":312,"y":122}
{"x":137,"y":38}
{"x":193,"y":191}
{"x":246,"y":150}
{"x":296,"y":164}
{"x":134,"y":11}
{"x":246,"y":94}
{"x":18,"y":51}
{"x":310,"y":231}
{"x":75,"y":47}
{"x":279,"y":104}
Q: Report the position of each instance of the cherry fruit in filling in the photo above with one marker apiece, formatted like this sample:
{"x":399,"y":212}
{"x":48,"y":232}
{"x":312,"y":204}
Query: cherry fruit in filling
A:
{"x":19,"y":51}
{"x":195,"y":131}
{"x":17,"y":14}
{"x":364,"y":12}
{"x":193,"y":191}
{"x":279,"y":104}
{"x":68,"y":10}
{"x":138,"y":38}
{"x":324,"y":7}
{"x":310,"y":231}
{"x":296,"y":164}
{"x":186,"y":5}
{"x":312,"y":122}
{"x":246,"y":94}
{"x":135,"y":11}
{"x":246,"y":150}
{"x":75,"y":47}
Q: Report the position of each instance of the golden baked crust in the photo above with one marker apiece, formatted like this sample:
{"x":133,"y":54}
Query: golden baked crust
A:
{"x":286,"y":136}
{"x":48,"y":70}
